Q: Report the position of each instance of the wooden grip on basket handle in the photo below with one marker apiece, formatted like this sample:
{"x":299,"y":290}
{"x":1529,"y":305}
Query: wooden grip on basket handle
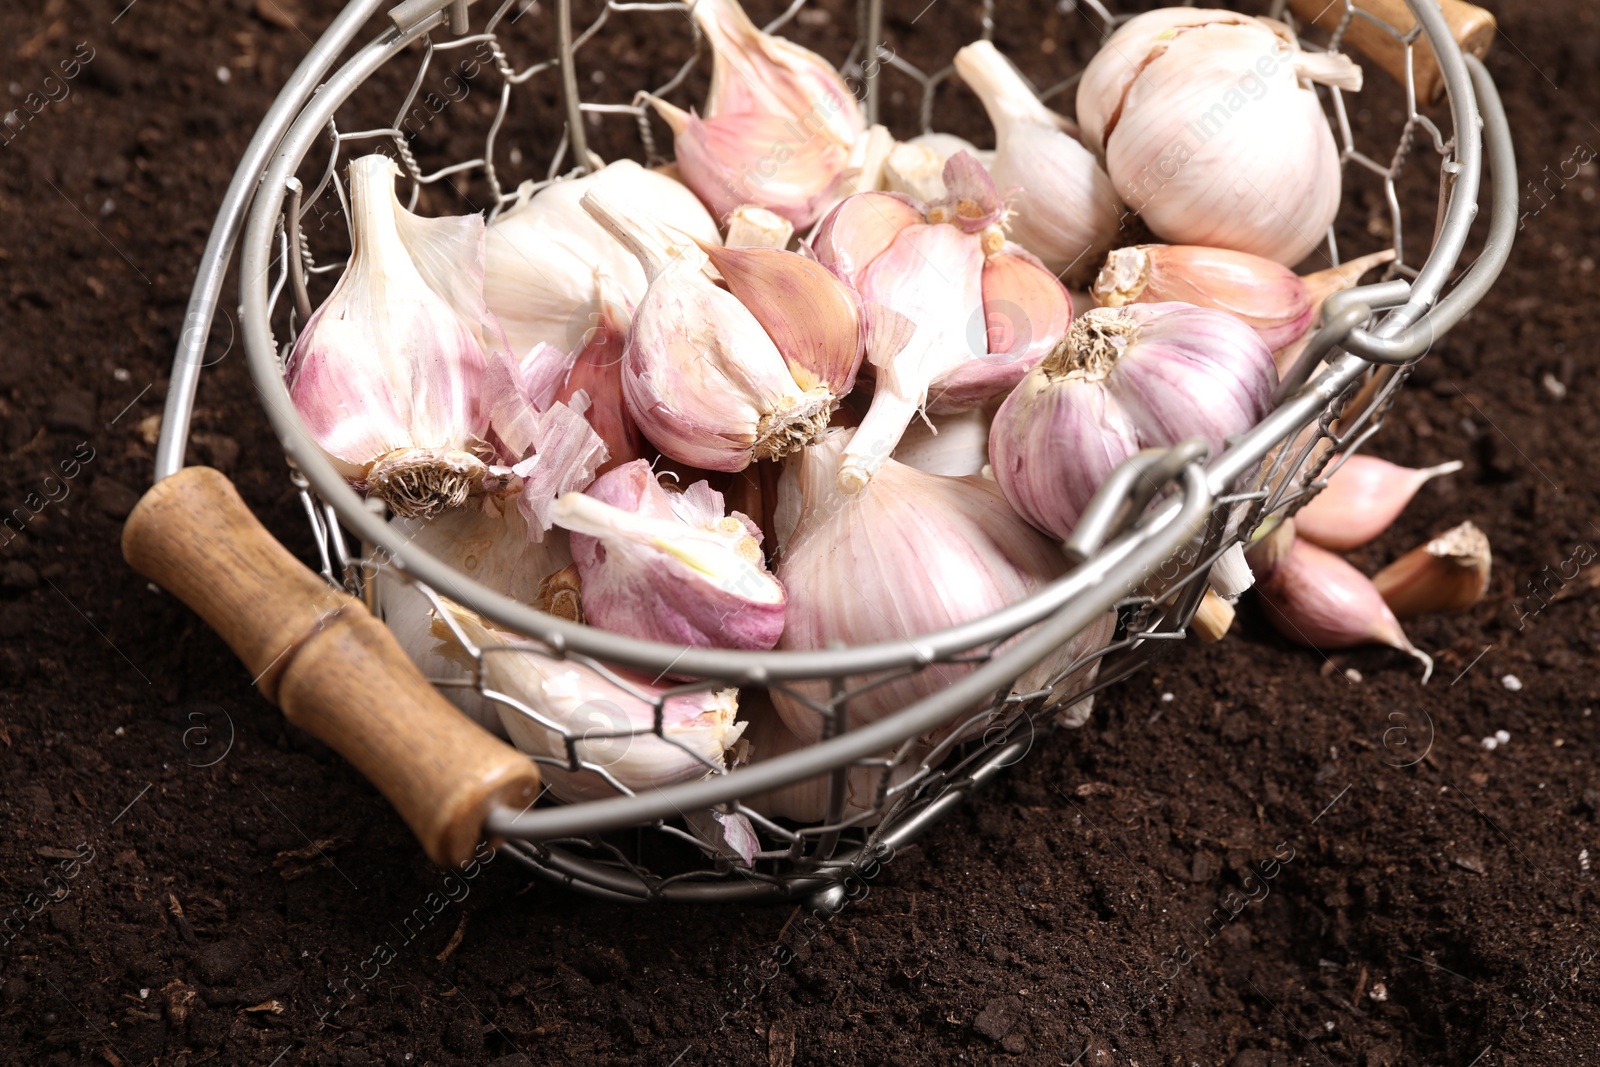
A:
{"x":1471,"y":26}
{"x":316,"y":652}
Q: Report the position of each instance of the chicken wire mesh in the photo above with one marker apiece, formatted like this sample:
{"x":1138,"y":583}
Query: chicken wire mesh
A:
{"x":459,"y":137}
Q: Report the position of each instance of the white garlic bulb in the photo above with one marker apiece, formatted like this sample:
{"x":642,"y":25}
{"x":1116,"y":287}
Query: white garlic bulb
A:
{"x":1211,"y":129}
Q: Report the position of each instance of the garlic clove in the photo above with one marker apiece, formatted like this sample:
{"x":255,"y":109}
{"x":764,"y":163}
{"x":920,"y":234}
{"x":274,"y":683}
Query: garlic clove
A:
{"x":813,"y":317}
{"x":1065,"y":209}
{"x":703,"y":380}
{"x":1026,"y":313}
{"x":861,"y":229}
{"x":387,"y":373}
{"x":1315,"y":598}
{"x":546,"y":256}
{"x":670,"y":567}
{"x":1278,"y":304}
{"x":1364,"y":495}
{"x":1450,"y":573}
{"x":611,"y":725}
{"x":1262,"y":292}
{"x":931,"y":275}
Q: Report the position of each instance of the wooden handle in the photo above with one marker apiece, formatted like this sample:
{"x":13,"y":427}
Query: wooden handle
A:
{"x":334,"y":669}
{"x":1471,"y":26}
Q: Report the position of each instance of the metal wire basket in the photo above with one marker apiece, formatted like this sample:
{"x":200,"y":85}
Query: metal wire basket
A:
{"x":289,"y":178}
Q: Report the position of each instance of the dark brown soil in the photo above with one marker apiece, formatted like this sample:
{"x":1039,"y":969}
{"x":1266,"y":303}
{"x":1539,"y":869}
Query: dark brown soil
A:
{"x":258,"y":910}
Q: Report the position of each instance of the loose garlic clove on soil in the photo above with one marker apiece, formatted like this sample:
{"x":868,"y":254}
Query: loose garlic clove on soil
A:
{"x":1364,"y":495}
{"x":1450,"y":573}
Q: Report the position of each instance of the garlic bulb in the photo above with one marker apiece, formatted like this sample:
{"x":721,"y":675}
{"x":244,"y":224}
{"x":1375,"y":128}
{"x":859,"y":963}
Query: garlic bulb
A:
{"x":702,"y":379}
{"x":1067,"y":211}
{"x":1364,"y":495}
{"x":490,"y":547}
{"x":545,"y":254}
{"x":960,"y":315}
{"x":613,"y":724}
{"x":1279,"y":304}
{"x":778,"y":127}
{"x":858,"y":568}
{"x":1449,"y":573}
{"x":596,"y":373}
{"x":1314,"y":598}
{"x":387,"y":373}
{"x":670,"y":567}
{"x":1211,"y":129}
{"x":1124,"y":379}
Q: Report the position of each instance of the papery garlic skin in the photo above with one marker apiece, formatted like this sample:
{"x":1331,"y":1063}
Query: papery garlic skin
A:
{"x":703,"y":380}
{"x":1212,"y":131}
{"x":596,"y":373}
{"x":546,"y":257}
{"x":701,"y":726}
{"x":911,"y":554}
{"x":1315,"y":598}
{"x":490,"y":547}
{"x":670,"y":567}
{"x":1124,"y":379}
{"x":387,"y":372}
{"x":1364,"y":495}
{"x":1065,"y":209}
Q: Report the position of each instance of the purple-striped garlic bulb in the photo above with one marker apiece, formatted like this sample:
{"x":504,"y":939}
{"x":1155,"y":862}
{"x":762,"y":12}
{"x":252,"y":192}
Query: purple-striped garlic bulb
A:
{"x":1124,"y":379}
{"x":387,"y":373}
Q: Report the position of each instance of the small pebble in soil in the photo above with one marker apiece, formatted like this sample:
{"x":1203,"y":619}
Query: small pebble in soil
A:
{"x":1583,"y":861}
{"x":1379,"y":992}
{"x":1512,"y":682}
{"x":1351,"y":674}
{"x":224,"y":75}
{"x":1490,"y":743}
{"x":1503,"y":736}
{"x":1167,"y":698}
